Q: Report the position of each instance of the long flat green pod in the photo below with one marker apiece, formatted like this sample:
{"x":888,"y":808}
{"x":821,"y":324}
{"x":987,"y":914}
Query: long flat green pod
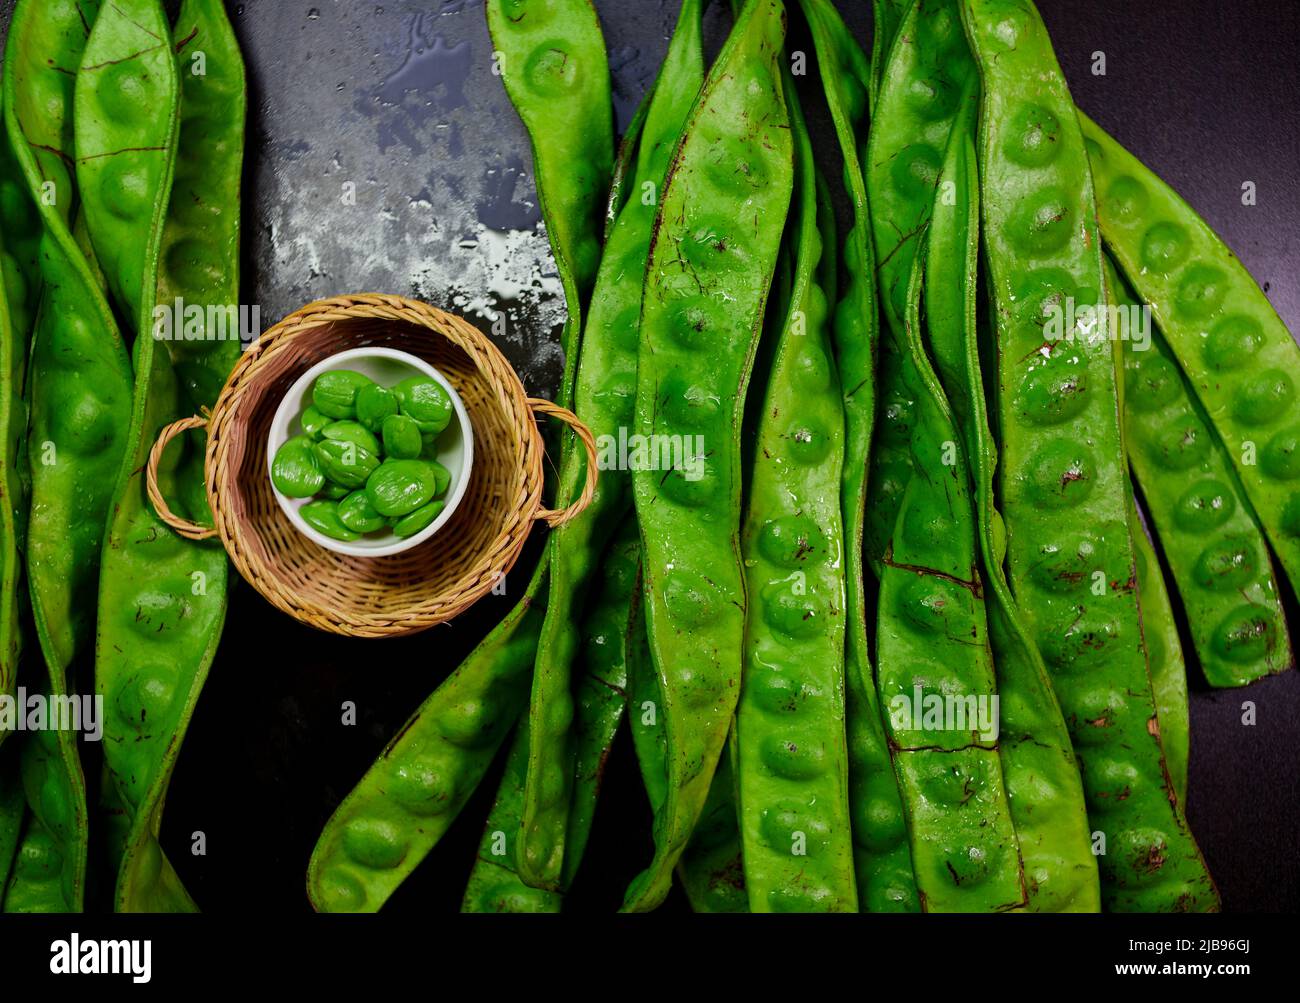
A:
{"x":604,"y":398}
{"x":789,"y":732}
{"x":711,"y":263}
{"x":1237,"y":354}
{"x":1216,"y":550}
{"x":494,"y":883}
{"x":882,"y":856}
{"x":1044,"y":789}
{"x":1064,"y":485}
{"x":408,"y":799}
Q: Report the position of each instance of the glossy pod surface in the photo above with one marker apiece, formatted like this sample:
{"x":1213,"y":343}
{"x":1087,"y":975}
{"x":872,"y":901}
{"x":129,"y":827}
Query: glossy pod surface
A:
{"x":1039,"y":769}
{"x":882,"y":856}
{"x":605,"y":398}
{"x":78,"y":390}
{"x":1211,"y":538}
{"x":1063,"y":484}
{"x":1238,"y":355}
{"x":494,"y":883}
{"x":162,"y":598}
{"x":789,"y":732}
{"x":711,"y":261}
{"x":920,"y":93}
{"x":1165,"y":654}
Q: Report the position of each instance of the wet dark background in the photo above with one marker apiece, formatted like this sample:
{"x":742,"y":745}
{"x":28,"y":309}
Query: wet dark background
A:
{"x":398,"y":99}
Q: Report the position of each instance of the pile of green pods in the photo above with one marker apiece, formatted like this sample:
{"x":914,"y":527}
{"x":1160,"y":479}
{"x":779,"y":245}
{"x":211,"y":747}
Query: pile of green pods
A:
{"x":877,"y":600}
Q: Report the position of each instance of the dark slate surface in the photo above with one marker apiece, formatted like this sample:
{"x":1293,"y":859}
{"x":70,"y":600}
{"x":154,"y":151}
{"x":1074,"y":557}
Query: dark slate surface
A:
{"x":397,"y":99}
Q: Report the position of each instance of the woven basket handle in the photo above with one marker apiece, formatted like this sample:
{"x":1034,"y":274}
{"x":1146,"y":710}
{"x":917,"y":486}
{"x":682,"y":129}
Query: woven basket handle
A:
{"x":558,"y":517}
{"x":185,"y":528}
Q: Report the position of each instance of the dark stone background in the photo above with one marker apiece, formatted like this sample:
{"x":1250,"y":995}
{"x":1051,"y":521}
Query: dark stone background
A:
{"x":397,"y":97}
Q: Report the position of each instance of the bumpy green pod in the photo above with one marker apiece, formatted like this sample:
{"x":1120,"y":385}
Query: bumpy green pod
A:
{"x":20,"y":293}
{"x":929,"y":69}
{"x":1212,"y":540}
{"x":79,"y":391}
{"x":199,"y":257}
{"x":790,"y":747}
{"x":159,"y":620}
{"x":551,"y":57}
{"x":604,"y":398}
{"x":1063,"y":483}
{"x":1238,"y":355}
{"x":882,"y":856}
{"x":1043,"y":786}
{"x":711,"y":262}
{"x":410,"y":796}
{"x":494,"y":884}
{"x":711,"y":869}
{"x":934,"y":670}
{"x":1165,"y":656}
{"x":887,"y":16}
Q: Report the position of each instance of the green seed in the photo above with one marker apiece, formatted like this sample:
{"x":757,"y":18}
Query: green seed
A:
{"x":409,"y":525}
{"x":345,"y":463}
{"x":335,"y":394}
{"x":295,"y":471}
{"x":324,"y":517}
{"x":313,"y":421}
{"x":399,"y":487}
{"x":334,"y":492}
{"x":374,"y":404}
{"x":351,"y":431}
{"x":356,"y":513}
{"x":426,"y":402}
{"x":401,"y":437}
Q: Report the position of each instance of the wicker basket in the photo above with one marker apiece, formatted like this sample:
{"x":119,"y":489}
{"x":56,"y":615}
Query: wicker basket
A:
{"x":417,"y":588}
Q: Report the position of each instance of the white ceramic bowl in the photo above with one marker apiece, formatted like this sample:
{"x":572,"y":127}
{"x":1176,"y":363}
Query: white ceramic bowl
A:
{"x":387,"y":367}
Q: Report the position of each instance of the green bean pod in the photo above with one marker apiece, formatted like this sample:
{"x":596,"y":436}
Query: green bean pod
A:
{"x":882,"y":856}
{"x":711,"y":869}
{"x":1063,"y":457}
{"x":932,"y":646}
{"x":1216,"y":550}
{"x":199,"y":257}
{"x":1044,"y":790}
{"x":494,"y":884}
{"x":158,"y":619}
{"x":887,"y":17}
{"x":790,"y":746}
{"x":929,"y":68}
{"x":413,"y":792}
{"x":1165,"y":654}
{"x":79,"y":391}
{"x":550,"y":55}
{"x":711,"y":262}
{"x":604,"y":398}
{"x":1239,"y":357}
{"x":20,"y":294}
